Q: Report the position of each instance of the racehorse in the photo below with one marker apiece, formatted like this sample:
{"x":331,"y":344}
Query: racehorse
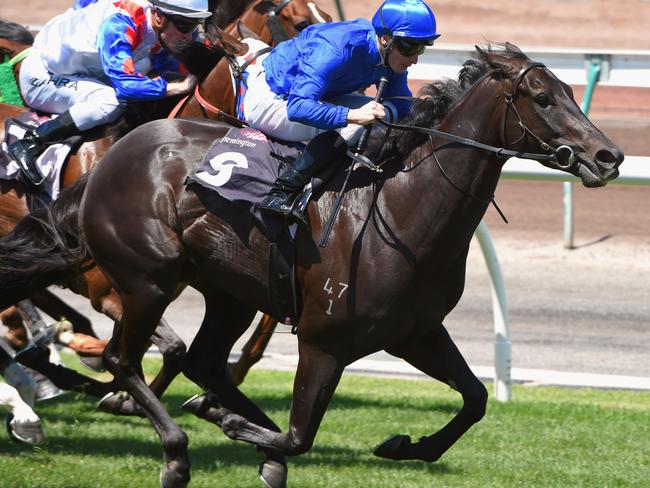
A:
{"x":393,"y":269}
{"x":294,"y":15}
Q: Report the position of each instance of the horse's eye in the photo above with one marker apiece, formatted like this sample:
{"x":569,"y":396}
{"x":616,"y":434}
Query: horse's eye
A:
{"x":542,"y":100}
{"x":302,"y":25}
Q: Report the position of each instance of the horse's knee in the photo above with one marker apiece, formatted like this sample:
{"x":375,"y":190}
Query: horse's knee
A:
{"x":475,"y":401}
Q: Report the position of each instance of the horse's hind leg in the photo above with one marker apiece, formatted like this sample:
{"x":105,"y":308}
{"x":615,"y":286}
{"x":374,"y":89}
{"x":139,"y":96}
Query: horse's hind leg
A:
{"x":172,"y":349}
{"x":143,"y":307}
{"x":224,"y":322}
{"x":437,"y":355}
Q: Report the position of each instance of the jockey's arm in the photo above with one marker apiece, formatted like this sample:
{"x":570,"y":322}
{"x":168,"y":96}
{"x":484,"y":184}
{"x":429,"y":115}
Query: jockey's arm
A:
{"x":115,"y":41}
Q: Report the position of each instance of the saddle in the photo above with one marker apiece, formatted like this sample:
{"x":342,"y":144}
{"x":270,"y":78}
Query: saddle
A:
{"x":50,"y":163}
{"x":240,"y":168}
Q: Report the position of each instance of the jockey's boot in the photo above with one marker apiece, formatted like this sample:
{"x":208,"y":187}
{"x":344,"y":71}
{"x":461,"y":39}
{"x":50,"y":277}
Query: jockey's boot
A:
{"x":26,"y":151}
{"x":327,"y":147}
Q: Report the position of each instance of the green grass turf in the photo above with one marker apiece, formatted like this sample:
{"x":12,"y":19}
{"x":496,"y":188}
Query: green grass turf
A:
{"x":544,"y":437}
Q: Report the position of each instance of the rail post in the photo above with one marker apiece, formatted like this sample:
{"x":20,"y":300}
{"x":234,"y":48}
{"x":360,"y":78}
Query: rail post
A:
{"x":594,"y":66}
{"x":502,"y":346}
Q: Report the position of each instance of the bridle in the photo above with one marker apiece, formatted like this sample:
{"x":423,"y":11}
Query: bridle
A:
{"x":562,"y":151}
{"x":509,"y":99}
{"x":503,"y":151}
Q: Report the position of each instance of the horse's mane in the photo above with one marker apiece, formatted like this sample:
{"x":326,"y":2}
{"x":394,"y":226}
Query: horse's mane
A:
{"x":434,"y":100}
{"x":15,"y":32}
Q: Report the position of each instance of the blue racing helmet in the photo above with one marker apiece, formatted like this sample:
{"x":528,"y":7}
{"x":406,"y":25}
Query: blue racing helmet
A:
{"x":412,"y":19}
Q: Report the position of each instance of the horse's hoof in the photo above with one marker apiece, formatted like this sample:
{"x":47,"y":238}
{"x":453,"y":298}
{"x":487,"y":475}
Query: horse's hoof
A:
{"x":273,"y":474}
{"x":171,"y":478}
{"x":27,"y":432}
{"x":94,"y":363}
{"x":393,"y":447}
{"x":45,"y":389}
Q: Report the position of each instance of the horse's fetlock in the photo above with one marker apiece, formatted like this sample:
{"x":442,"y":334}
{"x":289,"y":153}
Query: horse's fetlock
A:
{"x":297,"y":446}
{"x":475,"y":403}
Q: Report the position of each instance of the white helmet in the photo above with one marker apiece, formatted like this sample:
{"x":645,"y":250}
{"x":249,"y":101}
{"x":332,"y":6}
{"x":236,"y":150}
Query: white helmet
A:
{"x":191,"y":9}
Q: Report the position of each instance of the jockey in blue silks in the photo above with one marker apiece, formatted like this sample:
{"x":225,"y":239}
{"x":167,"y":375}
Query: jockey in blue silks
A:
{"x":304,"y":89}
{"x":89,"y":61}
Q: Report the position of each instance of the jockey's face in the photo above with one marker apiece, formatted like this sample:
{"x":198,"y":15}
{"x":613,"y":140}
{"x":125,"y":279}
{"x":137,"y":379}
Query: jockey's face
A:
{"x":171,"y":29}
{"x":397,"y":61}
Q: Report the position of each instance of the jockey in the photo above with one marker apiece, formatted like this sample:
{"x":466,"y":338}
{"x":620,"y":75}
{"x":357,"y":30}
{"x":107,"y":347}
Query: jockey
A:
{"x":88,"y":62}
{"x":304,"y":87}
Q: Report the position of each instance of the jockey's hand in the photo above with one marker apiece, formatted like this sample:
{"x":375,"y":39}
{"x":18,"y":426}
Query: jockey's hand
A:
{"x":181,"y":87}
{"x":367,"y":114}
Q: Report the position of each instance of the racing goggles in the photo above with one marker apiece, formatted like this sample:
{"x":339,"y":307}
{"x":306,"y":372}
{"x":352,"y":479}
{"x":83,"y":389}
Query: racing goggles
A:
{"x":410,"y":47}
{"x":183,"y":24}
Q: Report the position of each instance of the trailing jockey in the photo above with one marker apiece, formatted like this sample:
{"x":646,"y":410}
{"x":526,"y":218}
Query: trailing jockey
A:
{"x":88,"y":62}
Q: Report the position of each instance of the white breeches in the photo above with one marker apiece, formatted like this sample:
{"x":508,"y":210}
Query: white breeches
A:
{"x":267,"y":112}
{"x":89,"y":101}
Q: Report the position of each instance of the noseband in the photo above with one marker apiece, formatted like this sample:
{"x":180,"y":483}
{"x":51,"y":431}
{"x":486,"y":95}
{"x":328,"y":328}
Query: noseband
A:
{"x":277,"y":30}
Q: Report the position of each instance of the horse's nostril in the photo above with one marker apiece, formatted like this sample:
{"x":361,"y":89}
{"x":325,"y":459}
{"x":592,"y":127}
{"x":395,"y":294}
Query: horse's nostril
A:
{"x":610,"y":159}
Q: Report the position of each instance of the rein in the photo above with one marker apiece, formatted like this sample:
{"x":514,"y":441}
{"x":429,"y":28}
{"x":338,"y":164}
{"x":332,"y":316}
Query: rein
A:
{"x":501,"y":152}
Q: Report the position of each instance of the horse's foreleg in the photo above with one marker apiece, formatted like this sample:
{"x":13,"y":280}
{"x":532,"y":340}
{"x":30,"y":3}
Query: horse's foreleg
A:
{"x":437,"y":355}
{"x":317,"y":377}
{"x":23,"y":423}
{"x":16,"y":333}
{"x":38,"y":358}
{"x":253,"y":350}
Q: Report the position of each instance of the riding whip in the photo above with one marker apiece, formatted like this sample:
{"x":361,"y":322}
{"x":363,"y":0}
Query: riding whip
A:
{"x":358,"y":157}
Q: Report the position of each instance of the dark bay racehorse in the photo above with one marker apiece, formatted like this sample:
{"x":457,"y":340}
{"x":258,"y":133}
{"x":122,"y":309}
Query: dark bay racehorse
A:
{"x":294,"y":15}
{"x":393,"y":269}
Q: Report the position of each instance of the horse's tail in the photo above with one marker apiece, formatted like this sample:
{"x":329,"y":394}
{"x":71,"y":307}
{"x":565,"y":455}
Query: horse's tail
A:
{"x":46,"y":247}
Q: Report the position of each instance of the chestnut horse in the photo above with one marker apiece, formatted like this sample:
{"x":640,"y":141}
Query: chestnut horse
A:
{"x":397,"y":252}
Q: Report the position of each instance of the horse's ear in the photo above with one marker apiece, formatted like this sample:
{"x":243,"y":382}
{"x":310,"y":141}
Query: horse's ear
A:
{"x":482,"y":53}
{"x":231,"y":44}
{"x":245,"y":32}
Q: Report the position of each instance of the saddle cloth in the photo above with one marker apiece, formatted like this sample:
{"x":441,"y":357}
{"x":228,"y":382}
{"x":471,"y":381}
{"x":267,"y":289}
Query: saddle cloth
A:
{"x":50,"y":163}
{"x":242,"y":166}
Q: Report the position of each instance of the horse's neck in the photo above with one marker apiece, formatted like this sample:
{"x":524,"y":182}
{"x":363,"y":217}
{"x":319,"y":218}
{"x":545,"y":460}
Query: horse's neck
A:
{"x":442,"y":200}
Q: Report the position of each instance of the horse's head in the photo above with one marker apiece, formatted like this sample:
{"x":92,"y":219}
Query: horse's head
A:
{"x":541,"y":113}
{"x":14,"y":39}
{"x":286,"y":18}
